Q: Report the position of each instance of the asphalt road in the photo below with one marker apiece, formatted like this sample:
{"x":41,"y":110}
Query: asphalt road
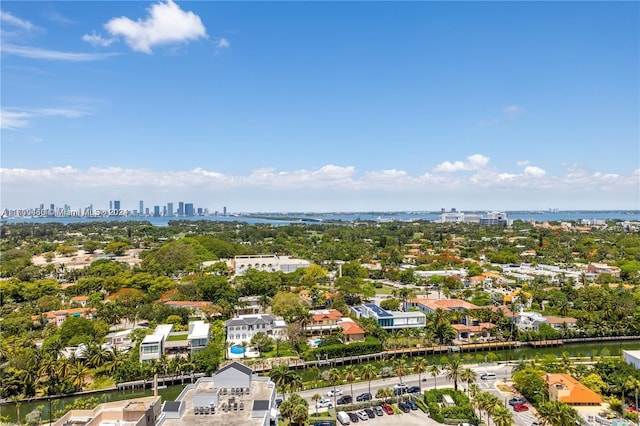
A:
{"x":502,"y":372}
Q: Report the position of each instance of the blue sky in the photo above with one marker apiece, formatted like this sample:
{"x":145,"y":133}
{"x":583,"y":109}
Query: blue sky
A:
{"x":322,"y":106}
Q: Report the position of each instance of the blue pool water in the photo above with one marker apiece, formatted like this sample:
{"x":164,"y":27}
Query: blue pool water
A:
{"x":317,"y":342}
{"x":238,"y":350}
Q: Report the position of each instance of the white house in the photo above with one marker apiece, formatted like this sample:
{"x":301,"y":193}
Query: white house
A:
{"x":198,"y":336}
{"x":152,"y":346}
{"x":243,"y":327}
{"x":390,"y":320}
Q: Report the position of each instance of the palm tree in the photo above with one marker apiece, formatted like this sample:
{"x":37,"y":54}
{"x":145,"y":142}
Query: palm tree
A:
{"x":434,"y":370}
{"x":400,"y":368}
{"x":78,"y":375}
{"x":334,"y":377}
{"x":453,"y":370}
{"x":295,"y":383}
{"x":315,"y":398}
{"x":557,"y":413}
{"x":384,"y":393}
{"x":368,"y":373}
{"x":469,"y":376}
{"x":349,"y":375}
{"x":281,"y":376}
{"x":420,"y":366}
{"x":502,"y":417}
{"x":300,"y":414}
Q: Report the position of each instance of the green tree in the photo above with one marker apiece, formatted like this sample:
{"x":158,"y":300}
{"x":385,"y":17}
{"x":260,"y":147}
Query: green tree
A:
{"x":453,"y":370}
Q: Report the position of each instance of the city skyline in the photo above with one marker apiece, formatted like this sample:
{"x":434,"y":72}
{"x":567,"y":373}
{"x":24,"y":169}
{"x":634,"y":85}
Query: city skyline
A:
{"x":322,"y":106}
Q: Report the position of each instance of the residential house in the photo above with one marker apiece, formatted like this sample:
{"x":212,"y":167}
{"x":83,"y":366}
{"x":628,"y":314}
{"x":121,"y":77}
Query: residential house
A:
{"x":58,"y":317}
{"x":153,"y":345}
{"x":351,"y":331}
{"x":323,"y":320}
{"x":243,"y":327}
{"x":562,"y":323}
{"x":80,"y":300}
{"x":133,"y":412}
{"x":603,"y":268}
{"x":390,"y":320}
{"x":198,"y":336}
{"x":565,"y":388}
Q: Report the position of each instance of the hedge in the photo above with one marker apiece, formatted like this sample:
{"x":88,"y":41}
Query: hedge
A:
{"x":371,"y":345}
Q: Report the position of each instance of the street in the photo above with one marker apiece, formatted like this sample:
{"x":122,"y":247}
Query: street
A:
{"x":502,"y":372}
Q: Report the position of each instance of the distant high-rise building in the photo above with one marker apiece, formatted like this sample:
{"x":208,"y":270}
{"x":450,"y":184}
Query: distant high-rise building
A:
{"x":110,"y":205}
{"x":453,"y":210}
{"x":141,"y":208}
{"x":180,"y":208}
{"x":146,"y":211}
{"x":169,"y":209}
{"x":52,"y":207}
{"x":224,"y":211}
{"x":188,"y":209}
{"x":116,"y":205}
{"x":156,"y":211}
{"x":41,"y":206}
{"x":165,"y":211}
{"x":199,"y":211}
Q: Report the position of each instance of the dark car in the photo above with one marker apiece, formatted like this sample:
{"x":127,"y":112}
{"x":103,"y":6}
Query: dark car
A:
{"x":378,"y":410}
{"x":353,"y":417}
{"x":414,"y":389}
{"x":399,"y":391}
{"x":344,"y":399}
{"x":412,"y":404}
{"x":278,"y":402}
{"x":404,"y":407}
{"x":325,"y":423}
{"x":364,"y":397}
{"x":370,"y":413}
{"x":515,"y":401}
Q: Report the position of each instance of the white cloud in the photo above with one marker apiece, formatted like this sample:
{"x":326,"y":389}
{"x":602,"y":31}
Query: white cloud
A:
{"x":513,"y":111}
{"x":523,"y":163}
{"x":36,"y":53}
{"x":222,"y":43}
{"x":15,"y":118}
{"x":534,"y":171}
{"x":474,"y":162}
{"x":165,"y":24}
{"x":8,"y":19}
{"x":269,"y":188}
{"x":97,"y":40}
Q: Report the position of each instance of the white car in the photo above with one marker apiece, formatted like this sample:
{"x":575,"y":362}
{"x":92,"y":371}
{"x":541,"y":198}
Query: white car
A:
{"x":362,"y":415}
{"x":324,"y":403}
{"x":400,"y":386}
{"x":334,"y":392}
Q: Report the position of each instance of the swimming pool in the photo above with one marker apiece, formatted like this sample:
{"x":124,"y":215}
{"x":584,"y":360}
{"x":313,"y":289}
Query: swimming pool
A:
{"x":238,"y":350}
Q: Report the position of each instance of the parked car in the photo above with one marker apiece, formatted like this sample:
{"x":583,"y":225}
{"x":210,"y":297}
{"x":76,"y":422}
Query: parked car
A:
{"x":324,"y":403}
{"x":521,"y":407}
{"x":278,"y":402}
{"x":515,"y":401}
{"x":364,"y":397}
{"x":344,"y":418}
{"x":404,"y":407}
{"x":325,"y":423}
{"x":354,"y":417}
{"x":412,"y":404}
{"x":414,"y":389}
{"x":378,"y":410}
{"x":387,"y":408}
{"x":488,"y":376}
{"x":362,"y":415}
{"x":400,"y":386}
{"x":344,"y":399}
{"x":334,"y":392}
{"x":370,"y":413}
